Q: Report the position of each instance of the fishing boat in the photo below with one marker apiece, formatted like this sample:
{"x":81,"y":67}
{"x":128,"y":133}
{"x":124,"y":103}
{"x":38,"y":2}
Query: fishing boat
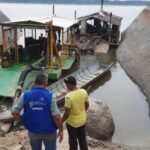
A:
{"x":32,"y":45}
{"x":84,"y":76}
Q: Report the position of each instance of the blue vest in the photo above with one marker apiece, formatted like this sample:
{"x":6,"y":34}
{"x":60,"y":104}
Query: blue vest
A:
{"x":37,"y":117}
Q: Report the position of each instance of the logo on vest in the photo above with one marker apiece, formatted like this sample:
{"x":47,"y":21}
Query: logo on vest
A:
{"x":37,"y":105}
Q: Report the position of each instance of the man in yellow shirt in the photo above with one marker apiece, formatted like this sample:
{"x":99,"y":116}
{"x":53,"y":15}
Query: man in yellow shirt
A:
{"x":76,"y":104}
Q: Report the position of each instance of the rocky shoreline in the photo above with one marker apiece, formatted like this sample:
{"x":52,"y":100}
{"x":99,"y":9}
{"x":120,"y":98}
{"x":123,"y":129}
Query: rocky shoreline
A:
{"x":17,"y":138}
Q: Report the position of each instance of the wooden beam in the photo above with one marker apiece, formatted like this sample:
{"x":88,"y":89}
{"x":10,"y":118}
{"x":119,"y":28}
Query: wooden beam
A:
{"x":35,"y":33}
{"x":51,"y":47}
{"x":62,"y":47}
{"x":3,"y":39}
{"x":16,"y":46}
{"x":32,"y":33}
{"x":57,"y":53}
{"x":24,"y":37}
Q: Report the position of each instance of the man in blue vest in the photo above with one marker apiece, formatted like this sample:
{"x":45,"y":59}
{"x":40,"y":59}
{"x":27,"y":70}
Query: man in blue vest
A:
{"x":41,"y":116}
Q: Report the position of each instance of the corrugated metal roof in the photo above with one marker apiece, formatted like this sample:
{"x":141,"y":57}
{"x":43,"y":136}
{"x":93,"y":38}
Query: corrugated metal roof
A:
{"x":3,"y":17}
{"x":104,"y":16}
{"x":56,"y":21}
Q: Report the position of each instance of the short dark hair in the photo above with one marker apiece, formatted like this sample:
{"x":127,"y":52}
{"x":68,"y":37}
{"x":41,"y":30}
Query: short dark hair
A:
{"x":71,"y":80}
{"x":40,"y":79}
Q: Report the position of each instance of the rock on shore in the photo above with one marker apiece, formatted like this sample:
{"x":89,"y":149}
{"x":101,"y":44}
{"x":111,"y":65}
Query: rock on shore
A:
{"x":100,"y":124}
{"x":18,"y":138}
{"x":134,"y":51}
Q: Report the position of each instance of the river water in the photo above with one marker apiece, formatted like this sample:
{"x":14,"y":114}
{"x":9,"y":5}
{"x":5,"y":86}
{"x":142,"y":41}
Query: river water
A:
{"x":125,"y":99}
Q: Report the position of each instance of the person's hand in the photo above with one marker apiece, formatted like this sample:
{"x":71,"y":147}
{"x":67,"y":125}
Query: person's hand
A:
{"x":60,"y":135}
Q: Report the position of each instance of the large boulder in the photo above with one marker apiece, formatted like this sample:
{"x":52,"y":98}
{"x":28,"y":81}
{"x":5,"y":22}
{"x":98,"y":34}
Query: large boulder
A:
{"x":100,"y":124}
{"x":134,"y":51}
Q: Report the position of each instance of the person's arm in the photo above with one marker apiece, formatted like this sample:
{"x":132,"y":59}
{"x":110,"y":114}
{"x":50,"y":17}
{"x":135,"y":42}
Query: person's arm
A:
{"x":66,"y":114}
{"x":86,"y":105}
{"x":16,"y":116}
{"x":57,"y":118}
{"x":67,"y":109}
{"x":58,"y":122}
{"x":86,"y":101}
{"x":16,"y":108}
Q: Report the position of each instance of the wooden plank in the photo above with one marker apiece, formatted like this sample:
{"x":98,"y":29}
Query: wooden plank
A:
{"x":98,"y":72}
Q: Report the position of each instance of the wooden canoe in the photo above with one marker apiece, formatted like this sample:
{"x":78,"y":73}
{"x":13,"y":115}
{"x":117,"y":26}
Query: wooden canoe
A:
{"x":84,"y":76}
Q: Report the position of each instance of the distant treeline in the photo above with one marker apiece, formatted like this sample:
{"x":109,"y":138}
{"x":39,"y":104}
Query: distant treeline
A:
{"x":110,"y":2}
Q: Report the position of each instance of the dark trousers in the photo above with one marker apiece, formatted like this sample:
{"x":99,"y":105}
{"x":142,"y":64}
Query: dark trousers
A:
{"x":77,"y":135}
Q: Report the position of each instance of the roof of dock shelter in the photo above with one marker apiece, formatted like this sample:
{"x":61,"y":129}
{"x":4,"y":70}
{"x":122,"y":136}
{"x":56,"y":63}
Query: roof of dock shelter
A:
{"x":42,"y":21}
{"x":3,"y":17}
{"x":104,"y":16}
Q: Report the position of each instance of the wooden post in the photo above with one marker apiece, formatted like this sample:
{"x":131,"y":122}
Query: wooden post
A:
{"x":16,"y":46}
{"x":62,"y":47}
{"x":67,"y":36}
{"x":57,"y":54}
{"x":48,"y":44}
{"x":3,"y":39}
{"x":35,"y":34}
{"x":71,"y":37}
{"x":110,"y":27}
{"x":67,"y":47}
{"x":101,"y":5}
{"x":75,"y":14}
{"x":53,"y":9}
{"x":32,"y":33}
{"x":24,"y":37}
{"x":51,"y":47}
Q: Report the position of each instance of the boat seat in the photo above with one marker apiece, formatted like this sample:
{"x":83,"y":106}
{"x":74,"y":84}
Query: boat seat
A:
{"x":91,"y":75}
{"x":63,"y":91}
{"x":98,"y":72}
{"x":87,"y":77}
{"x":80,"y":79}
{"x":80,"y":83}
{"x":57,"y":93}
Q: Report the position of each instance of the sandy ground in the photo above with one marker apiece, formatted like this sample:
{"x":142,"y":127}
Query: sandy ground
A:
{"x":19,"y":141}
{"x":134,"y":51}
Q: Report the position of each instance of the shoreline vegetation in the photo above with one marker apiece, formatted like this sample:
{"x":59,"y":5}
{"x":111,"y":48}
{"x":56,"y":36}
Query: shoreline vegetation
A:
{"x":126,"y":3}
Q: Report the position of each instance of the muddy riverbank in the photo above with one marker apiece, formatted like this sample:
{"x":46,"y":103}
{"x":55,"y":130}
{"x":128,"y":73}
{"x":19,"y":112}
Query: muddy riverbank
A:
{"x":134,"y":51}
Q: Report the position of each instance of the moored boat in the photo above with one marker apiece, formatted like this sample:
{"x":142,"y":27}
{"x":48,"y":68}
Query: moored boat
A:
{"x":85,"y":77}
{"x":30,"y":45}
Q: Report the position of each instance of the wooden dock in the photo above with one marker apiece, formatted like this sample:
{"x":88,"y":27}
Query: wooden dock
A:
{"x":102,"y":47}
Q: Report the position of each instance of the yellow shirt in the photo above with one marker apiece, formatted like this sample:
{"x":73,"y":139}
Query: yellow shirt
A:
{"x":76,"y":101}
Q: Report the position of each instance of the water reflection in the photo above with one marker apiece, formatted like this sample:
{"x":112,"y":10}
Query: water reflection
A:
{"x":100,"y":82}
